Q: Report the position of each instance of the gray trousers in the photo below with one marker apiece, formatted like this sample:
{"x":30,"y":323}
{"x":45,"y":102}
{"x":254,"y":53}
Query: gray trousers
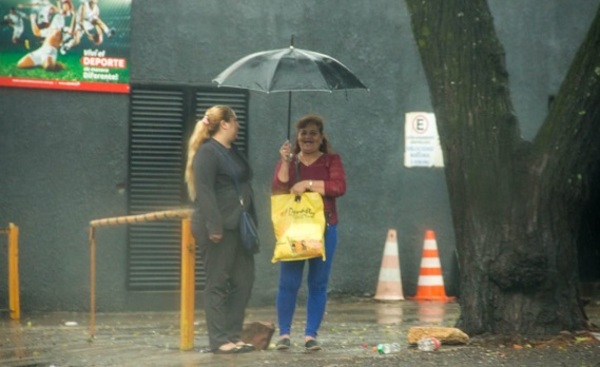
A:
{"x":229,"y":280}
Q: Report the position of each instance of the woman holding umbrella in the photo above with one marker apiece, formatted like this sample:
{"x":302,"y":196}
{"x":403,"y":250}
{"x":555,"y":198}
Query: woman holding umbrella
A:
{"x":212,"y":161}
{"x":312,"y":167}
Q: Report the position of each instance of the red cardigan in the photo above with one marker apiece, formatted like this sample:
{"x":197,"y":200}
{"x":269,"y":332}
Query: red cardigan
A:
{"x":327,"y":168}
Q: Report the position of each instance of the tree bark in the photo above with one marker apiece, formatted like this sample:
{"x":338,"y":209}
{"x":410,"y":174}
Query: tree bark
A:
{"x":516,"y":205}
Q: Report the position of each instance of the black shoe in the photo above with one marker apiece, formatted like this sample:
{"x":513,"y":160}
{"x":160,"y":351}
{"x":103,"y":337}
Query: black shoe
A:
{"x":283,"y":344}
{"x":312,"y":345}
{"x":245,"y":348}
{"x":236,"y":349}
{"x":228,"y":351}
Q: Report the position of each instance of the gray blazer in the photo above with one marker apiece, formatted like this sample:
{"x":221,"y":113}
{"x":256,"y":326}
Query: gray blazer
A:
{"x":217,"y":206}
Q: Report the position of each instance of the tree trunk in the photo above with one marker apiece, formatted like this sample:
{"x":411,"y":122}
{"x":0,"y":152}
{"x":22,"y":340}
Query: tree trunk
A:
{"x":516,"y":205}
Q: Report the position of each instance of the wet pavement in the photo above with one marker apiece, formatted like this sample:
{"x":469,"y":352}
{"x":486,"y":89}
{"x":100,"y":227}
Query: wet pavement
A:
{"x":349,"y":331}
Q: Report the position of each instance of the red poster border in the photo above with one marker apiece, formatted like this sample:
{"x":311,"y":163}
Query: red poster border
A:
{"x":64,"y":85}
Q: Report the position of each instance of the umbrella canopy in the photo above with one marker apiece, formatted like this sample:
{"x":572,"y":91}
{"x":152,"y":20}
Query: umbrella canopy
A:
{"x":289,"y":70}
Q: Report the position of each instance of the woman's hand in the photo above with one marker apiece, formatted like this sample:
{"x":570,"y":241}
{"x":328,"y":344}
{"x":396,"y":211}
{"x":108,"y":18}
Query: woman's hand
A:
{"x":285,"y":152}
{"x":300,"y":187}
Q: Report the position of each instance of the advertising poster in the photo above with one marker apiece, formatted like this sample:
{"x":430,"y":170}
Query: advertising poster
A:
{"x":80,"y":45}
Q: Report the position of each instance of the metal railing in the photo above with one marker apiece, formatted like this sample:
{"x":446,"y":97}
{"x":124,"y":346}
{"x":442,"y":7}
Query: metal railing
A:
{"x":188,"y":256}
{"x":14,"y":304}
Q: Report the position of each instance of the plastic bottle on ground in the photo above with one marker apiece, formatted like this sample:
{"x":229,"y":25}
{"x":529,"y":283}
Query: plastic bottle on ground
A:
{"x":388,"y":348}
{"x":428,"y":344}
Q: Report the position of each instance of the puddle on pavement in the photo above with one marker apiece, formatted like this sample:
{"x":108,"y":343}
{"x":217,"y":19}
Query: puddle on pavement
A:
{"x":350,"y":328}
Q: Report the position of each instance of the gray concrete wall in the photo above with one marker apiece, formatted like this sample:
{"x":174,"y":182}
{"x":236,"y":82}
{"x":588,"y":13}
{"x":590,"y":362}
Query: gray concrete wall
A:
{"x":63,"y":155}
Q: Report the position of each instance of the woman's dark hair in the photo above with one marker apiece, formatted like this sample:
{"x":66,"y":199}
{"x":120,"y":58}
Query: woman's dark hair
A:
{"x":318,"y":121}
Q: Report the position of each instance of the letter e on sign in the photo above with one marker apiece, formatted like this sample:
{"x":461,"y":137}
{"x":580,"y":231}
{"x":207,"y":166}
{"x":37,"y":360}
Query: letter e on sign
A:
{"x":420,"y":124}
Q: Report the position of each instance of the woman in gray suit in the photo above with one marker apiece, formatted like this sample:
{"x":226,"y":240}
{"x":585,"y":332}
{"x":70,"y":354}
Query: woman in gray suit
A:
{"x":228,"y":266}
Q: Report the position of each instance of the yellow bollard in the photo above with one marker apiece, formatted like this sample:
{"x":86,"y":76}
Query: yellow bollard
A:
{"x":188,"y":258}
{"x":13,"y":272}
{"x":187,"y":266}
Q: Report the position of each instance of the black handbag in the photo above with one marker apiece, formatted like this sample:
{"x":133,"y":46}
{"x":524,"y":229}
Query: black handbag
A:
{"x":248,"y":230}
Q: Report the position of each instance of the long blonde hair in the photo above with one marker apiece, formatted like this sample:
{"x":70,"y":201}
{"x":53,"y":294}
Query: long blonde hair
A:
{"x":203,"y":131}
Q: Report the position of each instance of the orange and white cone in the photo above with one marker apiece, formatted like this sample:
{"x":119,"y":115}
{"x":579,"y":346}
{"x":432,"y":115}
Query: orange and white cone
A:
{"x":431,"y":281}
{"x":389,"y":287}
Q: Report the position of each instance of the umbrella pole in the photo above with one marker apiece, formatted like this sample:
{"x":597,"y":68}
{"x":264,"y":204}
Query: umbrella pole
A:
{"x":289,"y":114}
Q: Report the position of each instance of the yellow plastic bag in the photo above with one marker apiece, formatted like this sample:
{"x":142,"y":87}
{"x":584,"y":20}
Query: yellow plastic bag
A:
{"x":299,"y":224}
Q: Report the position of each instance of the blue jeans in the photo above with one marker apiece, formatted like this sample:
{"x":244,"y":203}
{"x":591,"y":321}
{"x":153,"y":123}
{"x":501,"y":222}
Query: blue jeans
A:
{"x":290,"y":279}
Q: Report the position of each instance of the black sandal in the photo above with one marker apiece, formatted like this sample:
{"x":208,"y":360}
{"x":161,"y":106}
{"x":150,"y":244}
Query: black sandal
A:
{"x":233,"y":350}
{"x":245,"y":348}
{"x":312,"y":345}
{"x":241,"y":343}
{"x":226,"y":351}
{"x":283,"y":344}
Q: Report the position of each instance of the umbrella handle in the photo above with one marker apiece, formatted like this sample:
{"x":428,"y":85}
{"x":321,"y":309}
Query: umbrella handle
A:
{"x":290,"y":98}
{"x":289,"y":113}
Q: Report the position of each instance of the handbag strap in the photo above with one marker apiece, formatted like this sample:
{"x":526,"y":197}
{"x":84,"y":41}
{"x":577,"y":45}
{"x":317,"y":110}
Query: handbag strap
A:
{"x":297,"y":169}
{"x":234,"y":176}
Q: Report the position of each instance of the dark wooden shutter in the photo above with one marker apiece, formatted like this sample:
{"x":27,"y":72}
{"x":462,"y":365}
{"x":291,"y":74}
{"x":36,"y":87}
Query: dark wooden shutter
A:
{"x":161,"y":120}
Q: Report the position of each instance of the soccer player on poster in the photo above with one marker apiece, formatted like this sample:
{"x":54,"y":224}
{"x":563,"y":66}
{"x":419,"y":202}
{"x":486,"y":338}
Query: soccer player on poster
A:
{"x":14,"y":19}
{"x":87,"y":21}
{"x":46,"y":55}
{"x":55,"y":19}
{"x":42,"y":11}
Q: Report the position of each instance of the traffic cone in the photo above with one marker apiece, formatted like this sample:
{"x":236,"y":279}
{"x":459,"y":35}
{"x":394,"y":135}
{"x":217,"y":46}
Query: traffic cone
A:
{"x":389,"y":287}
{"x":431,"y":281}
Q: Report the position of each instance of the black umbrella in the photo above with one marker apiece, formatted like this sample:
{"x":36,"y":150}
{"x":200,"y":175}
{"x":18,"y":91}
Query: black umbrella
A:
{"x":289,"y":70}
